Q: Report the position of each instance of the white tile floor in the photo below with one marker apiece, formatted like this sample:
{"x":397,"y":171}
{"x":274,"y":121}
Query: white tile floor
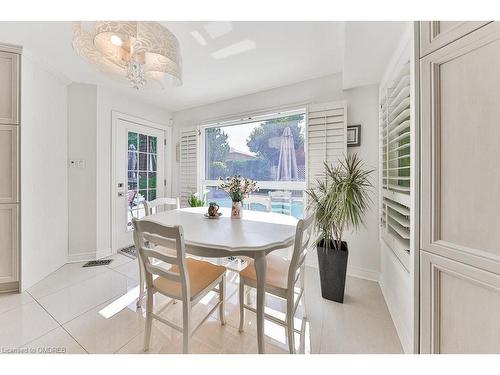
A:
{"x":92,"y":310}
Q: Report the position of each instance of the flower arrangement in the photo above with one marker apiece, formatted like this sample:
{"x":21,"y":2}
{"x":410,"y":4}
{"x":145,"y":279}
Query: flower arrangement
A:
{"x":237,"y":187}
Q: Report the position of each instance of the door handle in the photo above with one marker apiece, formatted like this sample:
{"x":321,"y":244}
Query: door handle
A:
{"x":121,"y":194}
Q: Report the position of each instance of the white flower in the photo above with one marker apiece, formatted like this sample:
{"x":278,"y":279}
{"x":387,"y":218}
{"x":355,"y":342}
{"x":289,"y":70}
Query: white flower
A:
{"x":237,"y":187}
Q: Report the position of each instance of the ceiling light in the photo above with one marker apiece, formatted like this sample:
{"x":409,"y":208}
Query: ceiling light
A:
{"x":139,"y":51}
{"x":116,"y":40}
{"x":234,"y":49}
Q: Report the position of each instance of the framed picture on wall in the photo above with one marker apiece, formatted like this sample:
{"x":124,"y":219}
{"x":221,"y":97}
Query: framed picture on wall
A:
{"x":353,"y":135}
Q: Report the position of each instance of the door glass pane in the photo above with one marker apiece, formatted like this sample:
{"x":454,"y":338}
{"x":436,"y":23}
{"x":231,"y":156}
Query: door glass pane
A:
{"x":152,"y":145}
{"x":152,"y":180}
{"x":143,"y":180}
{"x":132,"y":140}
{"x":143,"y":161}
{"x":151,"y":194}
{"x":143,"y":143}
{"x":141,"y":173}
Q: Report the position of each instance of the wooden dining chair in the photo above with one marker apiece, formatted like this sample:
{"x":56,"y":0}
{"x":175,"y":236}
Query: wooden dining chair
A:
{"x":175,"y":276}
{"x":257,"y":199}
{"x":150,"y":208}
{"x":282,"y":277}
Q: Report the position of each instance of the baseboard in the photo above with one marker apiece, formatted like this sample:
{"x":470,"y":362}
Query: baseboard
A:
{"x":104,"y":253}
{"x":9,"y":287}
{"x":81,"y":257}
{"x":361,"y":273}
{"x":90,"y":255}
{"x":400,"y":330}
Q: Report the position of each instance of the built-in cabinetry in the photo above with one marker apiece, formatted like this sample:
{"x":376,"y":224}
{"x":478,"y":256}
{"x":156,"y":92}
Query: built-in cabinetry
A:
{"x":9,"y":167}
{"x":437,"y":34}
{"x":460,"y":188}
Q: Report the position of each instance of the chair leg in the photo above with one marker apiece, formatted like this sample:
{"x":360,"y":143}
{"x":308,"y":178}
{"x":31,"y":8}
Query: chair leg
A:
{"x":303,"y":298}
{"x":290,"y":325}
{"x":141,"y":283}
{"x":242,"y":301}
{"x":222,"y":299}
{"x":149,"y":320}
{"x":186,"y":326}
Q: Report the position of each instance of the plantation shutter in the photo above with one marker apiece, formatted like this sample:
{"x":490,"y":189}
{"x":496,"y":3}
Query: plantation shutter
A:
{"x":188,"y":164}
{"x":326,"y":137}
{"x":396,"y":162}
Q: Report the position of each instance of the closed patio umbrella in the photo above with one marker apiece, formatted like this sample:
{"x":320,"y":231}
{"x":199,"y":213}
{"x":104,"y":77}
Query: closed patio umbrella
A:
{"x":287,"y":162}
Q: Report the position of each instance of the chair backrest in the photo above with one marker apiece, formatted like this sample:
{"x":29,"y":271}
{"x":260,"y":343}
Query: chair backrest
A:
{"x":152,"y":206}
{"x":303,"y":240}
{"x":147,"y":233}
{"x":257,"y":199}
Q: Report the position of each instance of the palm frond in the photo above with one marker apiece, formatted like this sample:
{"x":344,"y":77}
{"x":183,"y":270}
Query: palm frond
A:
{"x":341,"y":199}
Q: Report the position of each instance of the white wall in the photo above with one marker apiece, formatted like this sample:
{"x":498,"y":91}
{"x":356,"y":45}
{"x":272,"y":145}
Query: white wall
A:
{"x":90,"y":139}
{"x":44,"y":178}
{"x":82,"y":115}
{"x":362,"y":108}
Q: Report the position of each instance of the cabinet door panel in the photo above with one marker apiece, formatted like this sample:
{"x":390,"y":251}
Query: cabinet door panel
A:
{"x":460,"y":185}
{"x":461,"y":308}
{"x":460,"y":145}
{"x":437,"y":34}
{"x":9,"y":189}
{"x":9,"y":244}
{"x":9,"y":88}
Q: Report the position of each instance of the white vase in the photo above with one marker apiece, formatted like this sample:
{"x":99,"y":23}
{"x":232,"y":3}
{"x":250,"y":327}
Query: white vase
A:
{"x":236,"y":210}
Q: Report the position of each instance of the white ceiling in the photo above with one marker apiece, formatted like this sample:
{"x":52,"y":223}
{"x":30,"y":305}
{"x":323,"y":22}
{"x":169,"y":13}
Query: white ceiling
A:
{"x":238,"y":58}
{"x":369,"y":46}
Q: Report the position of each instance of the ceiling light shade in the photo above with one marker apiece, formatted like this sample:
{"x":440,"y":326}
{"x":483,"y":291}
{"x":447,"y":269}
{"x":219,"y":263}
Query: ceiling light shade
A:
{"x":139,"y":51}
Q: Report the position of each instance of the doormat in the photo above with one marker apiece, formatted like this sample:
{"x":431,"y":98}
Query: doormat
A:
{"x":130,"y":252}
{"x":93,"y":263}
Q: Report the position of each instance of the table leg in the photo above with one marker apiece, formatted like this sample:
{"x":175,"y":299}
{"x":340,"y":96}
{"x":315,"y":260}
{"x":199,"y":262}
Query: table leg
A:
{"x":260,"y":272}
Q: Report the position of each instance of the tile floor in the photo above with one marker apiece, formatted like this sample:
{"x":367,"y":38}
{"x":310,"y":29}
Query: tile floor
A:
{"x":92,"y":310}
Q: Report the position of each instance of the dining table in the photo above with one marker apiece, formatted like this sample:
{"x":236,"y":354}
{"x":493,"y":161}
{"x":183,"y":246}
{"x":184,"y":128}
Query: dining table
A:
{"x":254,"y":235}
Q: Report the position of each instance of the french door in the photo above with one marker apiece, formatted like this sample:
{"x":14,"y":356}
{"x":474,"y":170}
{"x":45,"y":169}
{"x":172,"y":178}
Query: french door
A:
{"x":139,"y":175}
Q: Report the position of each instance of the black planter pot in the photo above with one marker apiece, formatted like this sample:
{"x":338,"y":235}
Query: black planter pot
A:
{"x":332,"y":270}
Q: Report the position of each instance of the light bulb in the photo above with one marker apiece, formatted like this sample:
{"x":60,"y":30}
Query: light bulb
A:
{"x":116,"y":40}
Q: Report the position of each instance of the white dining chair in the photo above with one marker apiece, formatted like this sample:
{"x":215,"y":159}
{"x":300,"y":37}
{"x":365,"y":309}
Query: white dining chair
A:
{"x":257,"y":199}
{"x":282,"y":277}
{"x":175,"y":276}
{"x":150,"y":208}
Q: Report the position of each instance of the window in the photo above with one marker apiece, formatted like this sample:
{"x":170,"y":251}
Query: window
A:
{"x":396,"y":163}
{"x":269,"y":149}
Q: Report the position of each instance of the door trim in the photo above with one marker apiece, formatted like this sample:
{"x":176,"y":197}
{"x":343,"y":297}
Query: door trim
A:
{"x":167,"y":129}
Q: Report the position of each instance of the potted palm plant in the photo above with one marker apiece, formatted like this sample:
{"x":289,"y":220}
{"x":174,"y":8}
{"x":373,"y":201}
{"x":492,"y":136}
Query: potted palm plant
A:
{"x":339,"y":201}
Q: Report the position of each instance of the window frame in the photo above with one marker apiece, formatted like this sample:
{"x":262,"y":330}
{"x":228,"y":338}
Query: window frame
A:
{"x":247,"y":119}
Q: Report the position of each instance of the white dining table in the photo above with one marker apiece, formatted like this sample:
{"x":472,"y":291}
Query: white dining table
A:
{"x":255,"y":235}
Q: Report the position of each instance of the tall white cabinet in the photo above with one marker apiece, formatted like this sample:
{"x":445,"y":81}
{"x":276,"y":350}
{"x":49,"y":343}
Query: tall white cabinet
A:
{"x":460,"y":187}
{"x":10,"y":57}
